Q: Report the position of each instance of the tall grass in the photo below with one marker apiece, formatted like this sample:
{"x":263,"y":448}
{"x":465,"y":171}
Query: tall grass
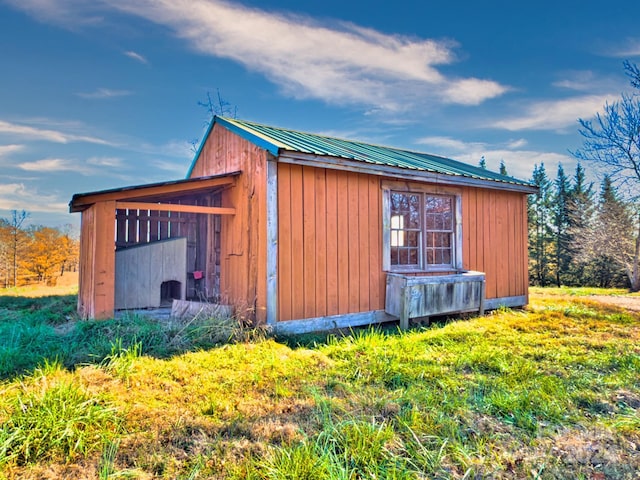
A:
{"x":58,"y":421}
{"x":548,"y":392}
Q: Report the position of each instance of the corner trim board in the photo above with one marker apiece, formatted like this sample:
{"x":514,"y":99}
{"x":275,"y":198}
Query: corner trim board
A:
{"x":272,"y":242}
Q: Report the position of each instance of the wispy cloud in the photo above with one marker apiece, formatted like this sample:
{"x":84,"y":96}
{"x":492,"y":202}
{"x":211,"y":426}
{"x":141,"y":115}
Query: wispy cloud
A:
{"x":337,"y":62}
{"x":90,"y":166}
{"x":17,"y":196}
{"x":519,"y":161}
{"x":103,"y":93}
{"x":447,"y":144}
{"x":136,"y":56}
{"x":70,"y":14}
{"x":555,"y":114}
{"x":111,"y":162}
{"x":629,"y":48}
{"x":9,"y":149}
{"x":49,"y":165}
{"x":44,"y":134}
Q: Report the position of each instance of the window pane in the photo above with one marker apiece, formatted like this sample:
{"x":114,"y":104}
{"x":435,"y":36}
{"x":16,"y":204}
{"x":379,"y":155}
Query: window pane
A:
{"x":406,"y":224}
{"x":439,"y":226}
{"x":413,"y":238}
{"x":430,"y":256}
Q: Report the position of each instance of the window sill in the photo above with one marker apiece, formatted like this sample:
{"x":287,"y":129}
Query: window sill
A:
{"x":420,"y":271}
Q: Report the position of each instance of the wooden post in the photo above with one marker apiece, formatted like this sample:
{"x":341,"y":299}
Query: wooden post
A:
{"x":406,"y":308}
{"x":482,"y":291}
{"x":104,"y":260}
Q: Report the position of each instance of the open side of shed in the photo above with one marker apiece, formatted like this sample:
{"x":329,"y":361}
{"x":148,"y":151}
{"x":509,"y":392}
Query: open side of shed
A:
{"x":144,"y":245}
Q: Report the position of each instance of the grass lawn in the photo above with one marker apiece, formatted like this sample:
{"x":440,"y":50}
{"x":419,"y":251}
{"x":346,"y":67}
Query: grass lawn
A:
{"x":552,"y":391}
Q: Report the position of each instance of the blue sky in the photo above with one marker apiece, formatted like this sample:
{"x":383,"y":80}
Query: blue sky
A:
{"x":101,"y":94}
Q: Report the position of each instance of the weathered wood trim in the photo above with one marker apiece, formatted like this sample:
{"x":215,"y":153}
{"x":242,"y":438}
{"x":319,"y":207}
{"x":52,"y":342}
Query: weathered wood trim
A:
{"x":424,"y":296}
{"x":494,"y":303}
{"x":272,"y":242}
{"x":397,"y":172}
{"x":80,"y":201}
{"x":332,"y":322}
{"x":172,"y":207}
{"x":458,"y":229}
{"x":386,"y":229}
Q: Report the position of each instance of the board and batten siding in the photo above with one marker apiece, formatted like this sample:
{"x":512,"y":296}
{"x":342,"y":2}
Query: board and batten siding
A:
{"x":330,"y":241}
{"x":243,"y":236}
{"x":494,"y":239}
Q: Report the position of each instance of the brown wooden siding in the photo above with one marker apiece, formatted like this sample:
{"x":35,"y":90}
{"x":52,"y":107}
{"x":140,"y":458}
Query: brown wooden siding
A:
{"x":330,"y":241}
{"x":494,"y":239}
{"x":243,"y":236}
{"x":97,"y":251}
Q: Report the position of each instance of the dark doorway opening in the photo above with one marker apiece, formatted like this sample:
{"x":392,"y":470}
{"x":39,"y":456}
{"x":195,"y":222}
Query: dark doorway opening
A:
{"x":170,"y":291}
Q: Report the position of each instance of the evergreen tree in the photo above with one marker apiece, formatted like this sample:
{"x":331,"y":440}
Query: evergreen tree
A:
{"x":503,"y":168}
{"x":482,"y":163}
{"x":580,"y":210}
{"x":539,"y":214}
{"x":560,"y":220}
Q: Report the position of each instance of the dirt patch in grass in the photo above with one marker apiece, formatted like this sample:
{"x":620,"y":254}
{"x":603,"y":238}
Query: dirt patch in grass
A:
{"x":592,"y":452}
{"x":627,"y":302}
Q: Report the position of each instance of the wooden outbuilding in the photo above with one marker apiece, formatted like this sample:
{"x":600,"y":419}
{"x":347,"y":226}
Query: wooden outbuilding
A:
{"x":306,"y":232}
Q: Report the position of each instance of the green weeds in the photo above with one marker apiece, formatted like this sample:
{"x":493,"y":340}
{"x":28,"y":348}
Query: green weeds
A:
{"x":533,"y":393}
{"x":54,"y":422}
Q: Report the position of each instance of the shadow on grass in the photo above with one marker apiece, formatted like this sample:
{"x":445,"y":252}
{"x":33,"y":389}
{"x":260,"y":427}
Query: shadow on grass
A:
{"x":35,"y":330}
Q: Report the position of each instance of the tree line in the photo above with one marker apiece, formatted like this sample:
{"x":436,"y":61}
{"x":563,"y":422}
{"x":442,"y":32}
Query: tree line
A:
{"x":580,"y":236}
{"x":34,"y":253}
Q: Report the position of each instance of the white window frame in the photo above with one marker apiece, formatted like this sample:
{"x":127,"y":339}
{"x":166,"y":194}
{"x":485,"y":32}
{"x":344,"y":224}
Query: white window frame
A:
{"x":409,"y":188}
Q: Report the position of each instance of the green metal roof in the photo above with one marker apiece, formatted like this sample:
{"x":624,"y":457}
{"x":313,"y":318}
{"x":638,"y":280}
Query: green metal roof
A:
{"x":280,"y":140}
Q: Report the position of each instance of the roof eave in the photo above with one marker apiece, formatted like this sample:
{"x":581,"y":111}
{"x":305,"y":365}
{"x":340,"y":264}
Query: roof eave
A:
{"x":81,"y":201}
{"x":338,"y":163}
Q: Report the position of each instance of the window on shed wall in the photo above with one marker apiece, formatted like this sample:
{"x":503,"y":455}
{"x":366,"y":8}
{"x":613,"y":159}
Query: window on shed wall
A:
{"x":422,"y":232}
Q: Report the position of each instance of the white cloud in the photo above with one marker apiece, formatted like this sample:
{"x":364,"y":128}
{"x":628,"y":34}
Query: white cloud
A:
{"x":447,"y":144}
{"x":136,"y":56}
{"x":337,"y":62}
{"x":17,"y":196}
{"x":631,"y":48}
{"x":472,"y":91}
{"x":555,"y":114}
{"x":102,"y":93}
{"x":515,"y":144}
{"x":8,"y":149}
{"x":36,"y":133}
{"x":49,"y":165}
{"x":68,"y":13}
{"x":113,"y":162}
{"x":519,"y":162}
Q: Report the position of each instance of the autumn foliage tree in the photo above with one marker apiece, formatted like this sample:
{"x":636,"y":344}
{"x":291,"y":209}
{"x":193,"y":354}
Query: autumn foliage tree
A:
{"x":34,"y":253}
